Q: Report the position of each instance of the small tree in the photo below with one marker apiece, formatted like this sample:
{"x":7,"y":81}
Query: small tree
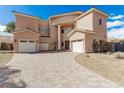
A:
{"x":105,"y":46}
{"x":95,"y":45}
{"x":10,"y":27}
{"x":99,"y":46}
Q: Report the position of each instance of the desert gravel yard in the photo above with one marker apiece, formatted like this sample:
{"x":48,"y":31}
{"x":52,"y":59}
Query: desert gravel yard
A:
{"x":50,"y":70}
{"x":109,"y":66}
{"x":5,"y":57}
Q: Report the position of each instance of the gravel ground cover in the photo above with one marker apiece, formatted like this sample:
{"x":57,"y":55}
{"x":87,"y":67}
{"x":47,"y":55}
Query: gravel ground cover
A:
{"x":109,"y":66}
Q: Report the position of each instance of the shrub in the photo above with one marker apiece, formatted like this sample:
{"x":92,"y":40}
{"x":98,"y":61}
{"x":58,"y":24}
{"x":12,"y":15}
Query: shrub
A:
{"x":95,"y":46}
{"x":99,"y":46}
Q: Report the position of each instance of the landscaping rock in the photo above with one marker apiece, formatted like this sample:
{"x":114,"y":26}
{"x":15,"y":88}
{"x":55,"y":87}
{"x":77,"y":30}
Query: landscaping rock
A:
{"x":118,"y":55}
{"x":108,"y":53}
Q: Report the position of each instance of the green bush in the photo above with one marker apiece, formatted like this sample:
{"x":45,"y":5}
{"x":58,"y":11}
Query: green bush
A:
{"x":99,"y":46}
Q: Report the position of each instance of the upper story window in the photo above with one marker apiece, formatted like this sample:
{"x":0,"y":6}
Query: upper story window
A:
{"x":43,"y":29}
{"x":100,"y":21}
{"x":65,"y":30}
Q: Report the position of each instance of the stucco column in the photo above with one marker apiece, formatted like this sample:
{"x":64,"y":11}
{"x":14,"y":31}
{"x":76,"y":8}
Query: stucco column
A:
{"x":59,"y":37}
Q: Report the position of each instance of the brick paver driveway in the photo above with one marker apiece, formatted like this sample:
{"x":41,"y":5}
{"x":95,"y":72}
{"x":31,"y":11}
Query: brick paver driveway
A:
{"x":54,"y":70}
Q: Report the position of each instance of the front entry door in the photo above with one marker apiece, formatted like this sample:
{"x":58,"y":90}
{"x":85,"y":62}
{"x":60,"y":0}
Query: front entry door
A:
{"x":67,"y":45}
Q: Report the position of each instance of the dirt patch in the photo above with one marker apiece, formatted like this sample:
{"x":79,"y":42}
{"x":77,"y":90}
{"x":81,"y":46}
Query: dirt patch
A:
{"x":105,"y":65}
{"x":5,"y":58}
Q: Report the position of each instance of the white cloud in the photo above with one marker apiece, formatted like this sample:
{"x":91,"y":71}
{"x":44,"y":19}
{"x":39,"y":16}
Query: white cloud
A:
{"x":116,"y":17}
{"x":2,"y":27}
{"x":115,"y":23}
{"x":116,"y":33}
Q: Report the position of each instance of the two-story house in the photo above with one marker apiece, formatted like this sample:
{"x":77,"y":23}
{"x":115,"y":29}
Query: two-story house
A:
{"x":73,"y":31}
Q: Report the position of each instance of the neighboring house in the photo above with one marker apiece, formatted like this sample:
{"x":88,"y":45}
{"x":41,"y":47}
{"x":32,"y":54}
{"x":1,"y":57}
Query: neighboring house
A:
{"x":73,"y":31}
{"x":6,"y":41}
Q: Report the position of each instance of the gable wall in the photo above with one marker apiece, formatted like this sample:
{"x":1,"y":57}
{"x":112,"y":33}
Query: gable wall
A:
{"x":101,"y":30}
{"x":23,"y":22}
{"x":85,"y":22}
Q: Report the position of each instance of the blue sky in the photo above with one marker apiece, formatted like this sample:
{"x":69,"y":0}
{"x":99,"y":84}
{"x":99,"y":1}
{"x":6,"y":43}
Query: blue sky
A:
{"x":115,"y":21}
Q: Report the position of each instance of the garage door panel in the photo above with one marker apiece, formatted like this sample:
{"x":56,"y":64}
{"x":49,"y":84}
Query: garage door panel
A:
{"x":27,"y":46}
{"x":44,"y":46}
{"x":77,"y":46}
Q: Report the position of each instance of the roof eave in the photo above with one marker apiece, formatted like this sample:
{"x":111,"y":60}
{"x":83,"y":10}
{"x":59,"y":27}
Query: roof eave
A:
{"x":18,"y":13}
{"x":81,"y":31}
{"x":91,"y":10}
{"x":64,"y":14}
{"x":18,"y":31}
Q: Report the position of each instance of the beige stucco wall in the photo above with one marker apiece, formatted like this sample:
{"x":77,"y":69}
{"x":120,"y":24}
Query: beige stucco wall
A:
{"x":25,"y":35}
{"x":77,"y":36}
{"x":101,"y":30}
{"x":44,"y":39}
{"x":23,"y":22}
{"x":64,"y":19}
{"x":53,"y":37}
{"x":43,"y":23}
{"x":0,"y":45}
{"x":85,"y":22}
{"x":89,"y":42}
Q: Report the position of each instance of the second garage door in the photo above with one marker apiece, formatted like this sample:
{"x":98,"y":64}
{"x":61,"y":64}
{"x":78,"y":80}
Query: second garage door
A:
{"x":27,"y":46}
{"x":77,"y":46}
{"x":44,"y":46}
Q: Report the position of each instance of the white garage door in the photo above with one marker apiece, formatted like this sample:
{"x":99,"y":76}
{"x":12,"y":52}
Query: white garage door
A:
{"x":44,"y":46}
{"x":27,"y":46}
{"x":77,"y":46}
